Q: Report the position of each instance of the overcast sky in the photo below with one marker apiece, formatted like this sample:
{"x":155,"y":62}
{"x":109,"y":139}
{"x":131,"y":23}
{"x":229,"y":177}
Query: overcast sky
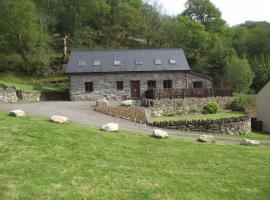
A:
{"x":233,"y":11}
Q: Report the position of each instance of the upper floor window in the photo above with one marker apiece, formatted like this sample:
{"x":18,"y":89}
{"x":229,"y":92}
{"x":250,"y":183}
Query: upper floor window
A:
{"x":116,"y":62}
{"x":96,"y":62}
{"x":138,"y":62}
{"x":82,"y":63}
{"x":167,"y":84}
{"x":172,"y":61}
{"x":158,"y":62}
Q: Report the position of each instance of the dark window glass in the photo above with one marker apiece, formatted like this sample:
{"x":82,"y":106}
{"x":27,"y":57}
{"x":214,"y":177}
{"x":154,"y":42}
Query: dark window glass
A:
{"x":120,"y":85}
{"x":197,"y":84}
{"x":88,"y":86}
{"x":167,"y":84}
{"x":138,"y":62}
{"x":151,"y":84}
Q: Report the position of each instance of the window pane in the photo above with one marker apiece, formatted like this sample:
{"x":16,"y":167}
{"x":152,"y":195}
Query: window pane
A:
{"x":116,"y":62}
{"x":172,"y":62}
{"x":138,"y":62}
{"x":96,"y":62}
{"x":82,"y":63}
{"x":88,"y":86}
{"x":151,"y":84}
{"x":197,"y":84}
{"x":120,"y":85}
{"x":167,"y":84}
{"x":158,"y":62}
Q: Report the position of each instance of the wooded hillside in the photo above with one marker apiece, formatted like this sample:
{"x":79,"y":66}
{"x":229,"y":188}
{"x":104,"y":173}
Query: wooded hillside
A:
{"x":33,"y":34}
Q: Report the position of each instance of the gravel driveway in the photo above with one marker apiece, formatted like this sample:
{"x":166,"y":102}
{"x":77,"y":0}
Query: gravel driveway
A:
{"x":83,"y":112}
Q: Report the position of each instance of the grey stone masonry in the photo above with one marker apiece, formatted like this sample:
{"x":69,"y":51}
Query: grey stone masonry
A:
{"x":104,"y":84}
{"x":8,"y":94}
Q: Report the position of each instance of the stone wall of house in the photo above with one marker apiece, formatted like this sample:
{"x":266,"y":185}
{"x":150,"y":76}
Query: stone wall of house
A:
{"x":8,"y":94}
{"x":192,"y":77}
{"x":29,"y":95}
{"x":104,"y":85}
{"x":234,"y":126}
{"x":165,"y":106}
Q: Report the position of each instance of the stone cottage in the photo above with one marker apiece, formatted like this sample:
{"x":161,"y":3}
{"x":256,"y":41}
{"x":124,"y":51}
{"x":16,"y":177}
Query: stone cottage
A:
{"x":118,"y":74}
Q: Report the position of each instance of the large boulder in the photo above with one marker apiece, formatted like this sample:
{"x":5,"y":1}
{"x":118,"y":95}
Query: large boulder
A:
{"x":59,"y":119}
{"x":160,"y":134}
{"x":207,"y":139}
{"x":248,"y":142}
{"x":17,"y":113}
{"x":111,"y":127}
{"x":126,"y":103}
{"x":102,"y":102}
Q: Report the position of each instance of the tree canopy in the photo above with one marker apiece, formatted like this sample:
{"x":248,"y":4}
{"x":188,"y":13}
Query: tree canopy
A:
{"x":35,"y":33}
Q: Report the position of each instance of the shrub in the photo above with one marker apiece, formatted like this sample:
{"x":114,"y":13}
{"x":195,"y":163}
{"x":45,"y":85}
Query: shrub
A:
{"x":244,"y":103}
{"x":211,"y":108}
{"x":38,"y":86}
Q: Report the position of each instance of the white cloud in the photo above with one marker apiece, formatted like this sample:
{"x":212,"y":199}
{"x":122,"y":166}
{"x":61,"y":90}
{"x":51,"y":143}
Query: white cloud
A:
{"x":233,"y":11}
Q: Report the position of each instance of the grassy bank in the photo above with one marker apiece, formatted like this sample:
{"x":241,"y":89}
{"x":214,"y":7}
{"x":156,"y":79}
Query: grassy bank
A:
{"x":23,"y":82}
{"x":41,"y":160}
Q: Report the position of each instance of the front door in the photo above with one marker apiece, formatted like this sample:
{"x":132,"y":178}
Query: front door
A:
{"x":135,"y":89}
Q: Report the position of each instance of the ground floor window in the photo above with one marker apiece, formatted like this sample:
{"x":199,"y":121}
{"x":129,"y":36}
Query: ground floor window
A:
{"x":151,"y":85}
{"x":88,"y":86}
{"x":197,"y":84}
{"x":167,"y":84}
{"x":120,"y":85}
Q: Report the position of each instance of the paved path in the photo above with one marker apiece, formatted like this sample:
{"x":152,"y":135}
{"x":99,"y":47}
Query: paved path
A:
{"x":83,"y":112}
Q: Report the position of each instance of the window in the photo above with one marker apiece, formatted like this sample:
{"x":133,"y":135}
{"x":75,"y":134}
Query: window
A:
{"x":172,"y":61}
{"x":138,"y":62}
{"x":158,"y":62}
{"x":116,"y":62}
{"x":197,"y":84}
{"x":151,"y":84}
{"x":96,"y":62}
{"x":120,"y":85}
{"x":88,"y":86}
{"x":167,"y":84}
{"x":82,"y":63}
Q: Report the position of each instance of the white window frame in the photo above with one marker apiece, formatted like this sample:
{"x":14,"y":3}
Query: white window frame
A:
{"x":158,"y":62}
{"x":172,"y":61}
{"x":82,"y":63}
{"x":116,"y":62}
{"x":96,"y":62}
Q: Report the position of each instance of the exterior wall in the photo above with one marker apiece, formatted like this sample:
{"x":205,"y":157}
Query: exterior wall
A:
{"x":104,"y":85}
{"x":29,"y":95}
{"x":206,"y":83}
{"x":8,"y":94}
{"x":263,"y":107}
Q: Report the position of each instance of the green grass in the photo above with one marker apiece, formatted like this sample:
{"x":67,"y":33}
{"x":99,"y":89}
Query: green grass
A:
{"x":198,"y":116}
{"x":23,"y":82}
{"x":42,"y":160}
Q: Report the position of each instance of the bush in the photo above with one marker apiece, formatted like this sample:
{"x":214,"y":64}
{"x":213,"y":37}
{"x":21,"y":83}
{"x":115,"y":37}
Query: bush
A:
{"x":38,"y":86}
{"x":244,"y":103}
{"x":211,"y":108}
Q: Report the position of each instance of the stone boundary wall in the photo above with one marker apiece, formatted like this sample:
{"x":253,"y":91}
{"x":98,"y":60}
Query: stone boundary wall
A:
{"x":29,"y":95}
{"x":235,"y":125}
{"x":130,"y":113}
{"x":8,"y":94}
{"x":165,"y":106}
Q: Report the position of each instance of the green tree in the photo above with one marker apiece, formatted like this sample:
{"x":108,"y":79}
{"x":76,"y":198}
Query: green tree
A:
{"x":21,"y":34}
{"x":206,"y":13}
{"x":238,"y":74}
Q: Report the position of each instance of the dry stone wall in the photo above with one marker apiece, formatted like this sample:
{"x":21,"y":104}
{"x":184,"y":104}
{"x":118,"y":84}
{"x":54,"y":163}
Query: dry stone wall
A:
{"x":234,"y":126}
{"x":8,"y":94}
{"x":166,"y":106}
{"x":29,"y":95}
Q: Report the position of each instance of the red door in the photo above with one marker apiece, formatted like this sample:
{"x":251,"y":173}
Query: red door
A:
{"x":135,"y":89}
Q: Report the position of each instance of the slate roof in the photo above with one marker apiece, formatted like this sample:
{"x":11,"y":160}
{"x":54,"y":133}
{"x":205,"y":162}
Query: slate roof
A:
{"x":127,"y":60}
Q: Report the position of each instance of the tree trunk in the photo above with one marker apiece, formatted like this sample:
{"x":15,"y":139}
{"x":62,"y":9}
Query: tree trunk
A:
{"x":65,"y":57}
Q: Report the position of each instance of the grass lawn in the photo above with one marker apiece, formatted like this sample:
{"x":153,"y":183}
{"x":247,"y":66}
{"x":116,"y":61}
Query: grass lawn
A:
{"x":30,"y":83}
{"x":42,"y":160}
{"x":199,"y":116}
